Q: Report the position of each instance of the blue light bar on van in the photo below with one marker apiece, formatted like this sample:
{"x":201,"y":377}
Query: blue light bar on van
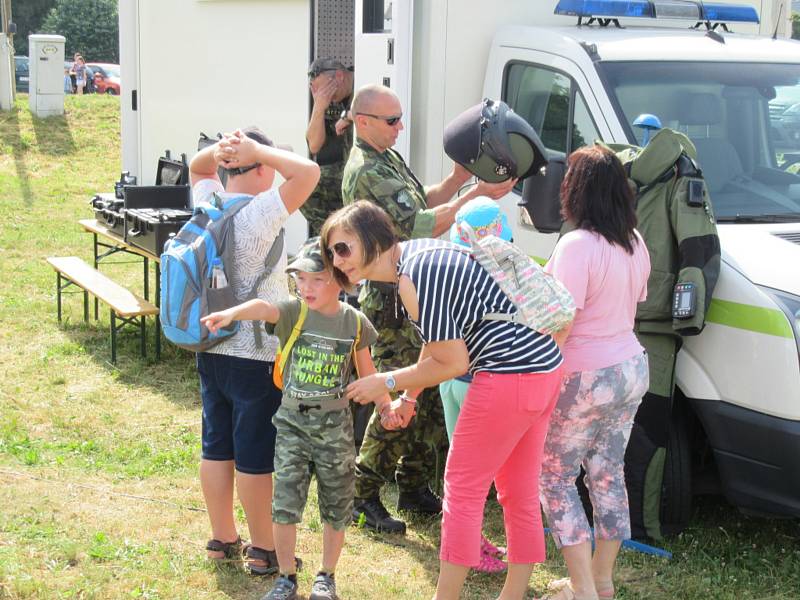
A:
{"x":605,"y":8}
{"x":726,"y":13}
{"x":694,"y":10}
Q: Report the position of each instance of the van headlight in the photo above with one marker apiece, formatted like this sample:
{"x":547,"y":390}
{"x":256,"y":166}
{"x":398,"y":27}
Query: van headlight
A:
{"x":790,"y":305}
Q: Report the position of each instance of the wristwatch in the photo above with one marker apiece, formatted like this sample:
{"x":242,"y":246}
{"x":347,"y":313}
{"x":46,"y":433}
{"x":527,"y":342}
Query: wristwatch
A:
{"x":344,"y":116}
{"x":390,"y":382}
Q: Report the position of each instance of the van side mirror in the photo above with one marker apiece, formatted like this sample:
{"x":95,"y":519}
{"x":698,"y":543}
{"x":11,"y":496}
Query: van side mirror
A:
{"x":541,"y":195}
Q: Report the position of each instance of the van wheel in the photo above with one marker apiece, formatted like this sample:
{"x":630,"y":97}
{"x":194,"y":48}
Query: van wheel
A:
{"x":676,"y":495}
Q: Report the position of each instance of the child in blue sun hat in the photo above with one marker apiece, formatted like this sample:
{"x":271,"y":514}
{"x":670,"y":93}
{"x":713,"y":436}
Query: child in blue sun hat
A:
{"x":486,"y":218}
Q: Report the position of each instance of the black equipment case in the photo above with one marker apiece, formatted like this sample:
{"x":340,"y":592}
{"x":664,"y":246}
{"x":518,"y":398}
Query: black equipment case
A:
{"x":151,"y":228}
{"x":171,"y":171}
{"x":153,"y":213}
{"x":108,"y":210}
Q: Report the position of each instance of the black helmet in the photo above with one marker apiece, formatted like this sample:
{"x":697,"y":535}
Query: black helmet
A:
{"x":494,"y":143}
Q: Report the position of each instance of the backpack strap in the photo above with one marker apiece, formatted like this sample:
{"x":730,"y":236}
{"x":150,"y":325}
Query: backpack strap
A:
{"x":511,"y":317}
{"x":355,"y":344}
{"x":270,"y":262}
{"x":286,"y":350}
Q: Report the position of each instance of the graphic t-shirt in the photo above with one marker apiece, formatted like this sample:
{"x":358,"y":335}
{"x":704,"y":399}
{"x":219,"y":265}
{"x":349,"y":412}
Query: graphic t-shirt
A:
{"x":321,"y":360}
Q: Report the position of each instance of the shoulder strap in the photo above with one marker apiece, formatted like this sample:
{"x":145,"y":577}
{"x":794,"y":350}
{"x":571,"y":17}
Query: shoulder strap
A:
{"x":270,"y":262}
{"x":355,"y":344}
{"x":286,"y":350}
{"x":432,"y":248}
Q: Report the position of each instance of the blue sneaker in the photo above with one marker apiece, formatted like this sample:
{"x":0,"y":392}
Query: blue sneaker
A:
{"x":283,"y":589}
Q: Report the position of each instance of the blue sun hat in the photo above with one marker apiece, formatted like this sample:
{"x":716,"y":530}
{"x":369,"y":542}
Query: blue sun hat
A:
{"x":484,"y":216}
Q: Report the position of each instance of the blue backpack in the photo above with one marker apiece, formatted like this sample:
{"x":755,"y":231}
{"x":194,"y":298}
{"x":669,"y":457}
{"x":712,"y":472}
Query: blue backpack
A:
{"x":187,"y":294}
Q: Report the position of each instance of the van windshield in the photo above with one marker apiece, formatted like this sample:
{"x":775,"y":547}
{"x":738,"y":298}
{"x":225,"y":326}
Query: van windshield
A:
{"x":744,"y":120}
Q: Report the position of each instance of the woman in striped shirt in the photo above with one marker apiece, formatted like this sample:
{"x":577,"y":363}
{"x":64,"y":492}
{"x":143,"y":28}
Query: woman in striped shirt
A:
{"x":516,"y":379}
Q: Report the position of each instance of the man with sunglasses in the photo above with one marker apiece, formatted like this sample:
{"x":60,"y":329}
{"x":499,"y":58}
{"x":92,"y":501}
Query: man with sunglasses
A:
{"x":329,"y":137}
{"x":376,"y":172}
{"x":236,"y":388}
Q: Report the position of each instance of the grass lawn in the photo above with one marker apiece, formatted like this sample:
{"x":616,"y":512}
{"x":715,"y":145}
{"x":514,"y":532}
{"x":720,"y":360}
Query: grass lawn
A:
{"x":98,"y":463}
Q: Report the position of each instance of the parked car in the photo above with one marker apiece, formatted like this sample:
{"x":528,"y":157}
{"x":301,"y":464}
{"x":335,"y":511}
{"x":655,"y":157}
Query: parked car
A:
{"x":21,"y":73}
{"x":106,"y":78}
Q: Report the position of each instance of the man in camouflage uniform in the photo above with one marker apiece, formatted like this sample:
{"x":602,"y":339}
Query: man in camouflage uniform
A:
{"x":677,"y":224}
{"x":329,"y":137}
{"x":377,"y":173}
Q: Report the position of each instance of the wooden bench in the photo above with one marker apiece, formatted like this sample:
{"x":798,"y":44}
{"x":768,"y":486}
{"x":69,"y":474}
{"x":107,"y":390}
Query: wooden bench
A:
{"x":127,"y":307}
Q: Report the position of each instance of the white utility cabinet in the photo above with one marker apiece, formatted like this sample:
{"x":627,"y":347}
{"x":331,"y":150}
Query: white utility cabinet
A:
{"x":46,"y":95}
{"x":6,"y":73}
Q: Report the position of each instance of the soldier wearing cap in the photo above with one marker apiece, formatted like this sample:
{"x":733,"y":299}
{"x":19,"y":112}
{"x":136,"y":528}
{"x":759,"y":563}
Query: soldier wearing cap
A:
{"x":329,"y":136}
{"x":377,"y":173}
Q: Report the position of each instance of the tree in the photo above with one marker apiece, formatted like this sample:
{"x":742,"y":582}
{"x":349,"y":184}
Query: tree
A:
{"x":796,"y":26}
{"x":90,"y":26}
{"x":28,"y":15}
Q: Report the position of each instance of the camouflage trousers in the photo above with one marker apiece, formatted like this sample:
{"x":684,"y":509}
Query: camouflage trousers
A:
{"x":409,"y":454}
{"x":325,"y":199}
{"x":316,"y":442}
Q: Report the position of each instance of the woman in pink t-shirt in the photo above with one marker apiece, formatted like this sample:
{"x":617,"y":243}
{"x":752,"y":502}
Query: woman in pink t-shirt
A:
{"x":605,"y":264}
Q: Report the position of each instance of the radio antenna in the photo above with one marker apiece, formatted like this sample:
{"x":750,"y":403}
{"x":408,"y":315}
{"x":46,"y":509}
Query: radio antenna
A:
{"x":778,"y":21}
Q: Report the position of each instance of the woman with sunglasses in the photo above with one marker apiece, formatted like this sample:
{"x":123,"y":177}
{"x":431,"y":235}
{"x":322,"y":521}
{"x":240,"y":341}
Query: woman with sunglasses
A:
{"x":516,"y":378}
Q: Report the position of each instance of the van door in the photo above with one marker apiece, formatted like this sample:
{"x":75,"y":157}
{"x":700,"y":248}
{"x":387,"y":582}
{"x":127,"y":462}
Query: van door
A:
{"x":554,"y":96}
{"x":129,"y":75}
{"x":383,"y":43}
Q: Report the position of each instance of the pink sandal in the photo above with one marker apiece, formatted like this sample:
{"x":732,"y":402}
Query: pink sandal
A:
{"x":490,"y":564}
{"x":490,"y":549}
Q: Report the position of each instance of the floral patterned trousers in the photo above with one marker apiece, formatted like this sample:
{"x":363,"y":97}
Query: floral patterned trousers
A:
{"x":590,"y":427}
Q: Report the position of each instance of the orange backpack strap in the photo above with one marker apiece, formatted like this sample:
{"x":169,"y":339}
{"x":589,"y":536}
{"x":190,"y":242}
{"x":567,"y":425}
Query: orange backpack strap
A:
{"x":286,"y":350}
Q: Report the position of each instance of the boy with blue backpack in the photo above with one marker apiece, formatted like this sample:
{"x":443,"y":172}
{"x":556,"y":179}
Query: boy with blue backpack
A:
{"x":239,"y":398}
{"x":322,"y":339}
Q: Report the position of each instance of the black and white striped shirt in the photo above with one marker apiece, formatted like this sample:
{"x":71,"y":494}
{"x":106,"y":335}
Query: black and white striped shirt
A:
{"x":454,"y":294}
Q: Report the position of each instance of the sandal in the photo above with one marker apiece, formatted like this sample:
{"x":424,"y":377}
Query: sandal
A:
{"x":489,"y":548}
{"x":490,"y":564}
{"x":605,"y":589}
{"x":268,"y":557}
{"x":230,"y":550}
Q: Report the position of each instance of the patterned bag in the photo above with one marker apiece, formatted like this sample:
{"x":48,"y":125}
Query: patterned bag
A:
{"x":542,"y":302}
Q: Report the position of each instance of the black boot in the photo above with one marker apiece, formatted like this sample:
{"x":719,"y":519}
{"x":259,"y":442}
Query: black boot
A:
{"x":421,"y":501}
{"x":376,"y":516}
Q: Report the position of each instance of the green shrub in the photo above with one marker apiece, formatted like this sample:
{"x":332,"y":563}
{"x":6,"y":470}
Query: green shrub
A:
{"x":90,"y":26}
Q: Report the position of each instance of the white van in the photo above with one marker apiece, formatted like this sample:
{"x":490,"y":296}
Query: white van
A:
{"x":737,"y":96}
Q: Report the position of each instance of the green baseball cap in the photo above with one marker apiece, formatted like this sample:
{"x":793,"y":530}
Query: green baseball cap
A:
{"x":321,"y":65}
{"x":308,"y":259}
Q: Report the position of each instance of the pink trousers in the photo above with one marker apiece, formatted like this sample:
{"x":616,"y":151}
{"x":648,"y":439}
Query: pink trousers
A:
{"x":499,"y":436}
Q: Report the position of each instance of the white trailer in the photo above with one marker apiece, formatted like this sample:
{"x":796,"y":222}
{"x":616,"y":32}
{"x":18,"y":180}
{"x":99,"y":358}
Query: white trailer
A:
{"x":212,"y":65}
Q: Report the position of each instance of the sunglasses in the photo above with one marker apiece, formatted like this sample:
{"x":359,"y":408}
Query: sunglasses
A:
{"x":242,"y":170}
{"x":341,"y":249}
{"x":390,"y":121}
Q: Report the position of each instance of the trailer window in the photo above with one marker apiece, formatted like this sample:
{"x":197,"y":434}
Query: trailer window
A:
{"x":551,"y":102}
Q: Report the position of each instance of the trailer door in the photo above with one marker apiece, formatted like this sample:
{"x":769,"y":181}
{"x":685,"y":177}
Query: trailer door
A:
{"x":383,"y":43}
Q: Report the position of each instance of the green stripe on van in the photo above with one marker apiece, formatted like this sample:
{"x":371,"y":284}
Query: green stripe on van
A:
{"x":770,"y":321}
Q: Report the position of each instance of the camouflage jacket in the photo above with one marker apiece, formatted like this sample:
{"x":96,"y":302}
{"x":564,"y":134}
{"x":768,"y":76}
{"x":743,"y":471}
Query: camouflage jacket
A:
{"x":385,"y":179}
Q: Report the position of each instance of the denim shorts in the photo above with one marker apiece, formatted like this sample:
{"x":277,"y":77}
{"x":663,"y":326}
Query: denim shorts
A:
{"x":239,"y":400}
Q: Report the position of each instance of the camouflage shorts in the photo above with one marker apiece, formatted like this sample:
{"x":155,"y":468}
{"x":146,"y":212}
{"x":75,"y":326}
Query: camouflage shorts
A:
{"x":320,"y":443}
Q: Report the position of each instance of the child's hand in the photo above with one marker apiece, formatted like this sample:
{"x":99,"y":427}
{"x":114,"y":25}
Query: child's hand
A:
{"x":215,"y":321}
{"x":404,"y":411}
{"x":389,"y":418}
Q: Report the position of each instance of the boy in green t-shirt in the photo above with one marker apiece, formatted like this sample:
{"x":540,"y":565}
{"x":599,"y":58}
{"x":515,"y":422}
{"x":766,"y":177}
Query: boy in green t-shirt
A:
{"x":314,"y":423}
